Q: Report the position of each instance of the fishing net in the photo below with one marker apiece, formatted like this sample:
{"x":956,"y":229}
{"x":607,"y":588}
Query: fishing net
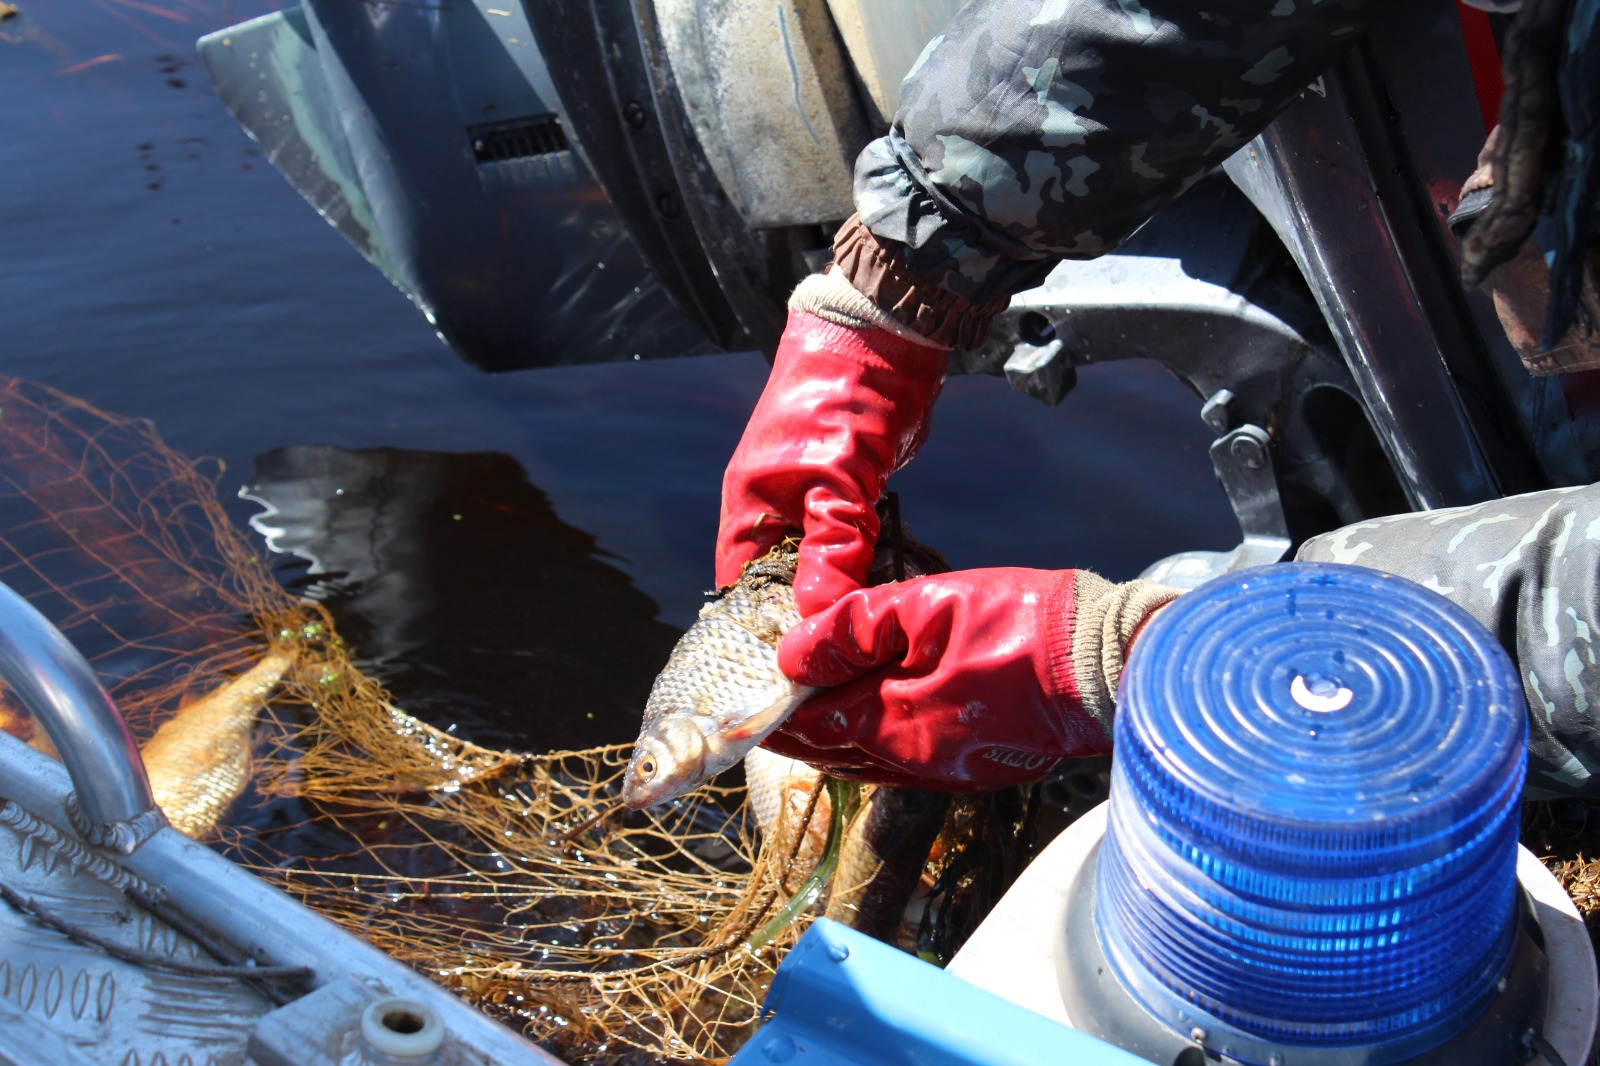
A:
{"x":606,"y":934}
{"x":515,"y":878}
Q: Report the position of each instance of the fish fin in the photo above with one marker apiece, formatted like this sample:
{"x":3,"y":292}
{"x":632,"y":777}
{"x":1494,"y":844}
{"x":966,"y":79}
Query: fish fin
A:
{"x":763,"y":722}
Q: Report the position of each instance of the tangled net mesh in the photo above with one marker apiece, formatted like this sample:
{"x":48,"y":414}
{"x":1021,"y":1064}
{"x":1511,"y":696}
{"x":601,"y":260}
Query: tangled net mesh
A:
{"x":514,"y":878}
{"x":607,"y":935}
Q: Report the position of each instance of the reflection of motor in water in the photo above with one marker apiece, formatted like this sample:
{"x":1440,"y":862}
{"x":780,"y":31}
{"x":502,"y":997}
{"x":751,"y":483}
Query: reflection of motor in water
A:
{"x":454,"y":581}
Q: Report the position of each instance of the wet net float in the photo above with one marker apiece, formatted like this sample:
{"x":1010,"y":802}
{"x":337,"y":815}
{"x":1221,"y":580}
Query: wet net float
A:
{"x":1309,"y":858}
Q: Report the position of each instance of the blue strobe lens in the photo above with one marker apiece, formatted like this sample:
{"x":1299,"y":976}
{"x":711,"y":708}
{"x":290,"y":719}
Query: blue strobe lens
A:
{"x":1314,"y":810}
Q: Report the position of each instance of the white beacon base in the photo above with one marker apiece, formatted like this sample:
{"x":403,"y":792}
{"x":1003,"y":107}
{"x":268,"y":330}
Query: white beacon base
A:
{"x":1014,"y":953}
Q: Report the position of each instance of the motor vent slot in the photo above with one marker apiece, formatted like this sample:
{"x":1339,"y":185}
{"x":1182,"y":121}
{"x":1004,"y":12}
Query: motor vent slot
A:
{"x":521,"y":138}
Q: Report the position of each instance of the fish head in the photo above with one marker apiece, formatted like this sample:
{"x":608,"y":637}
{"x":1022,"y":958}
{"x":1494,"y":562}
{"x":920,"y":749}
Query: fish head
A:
{"x":669,"y":759}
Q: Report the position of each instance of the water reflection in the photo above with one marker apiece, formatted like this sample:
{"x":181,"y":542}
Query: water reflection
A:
{"x":402,"y":545}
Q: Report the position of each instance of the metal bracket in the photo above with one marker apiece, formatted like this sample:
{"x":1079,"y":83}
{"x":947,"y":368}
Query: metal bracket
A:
{"x":1044,"y":372}
{"x":1242,"y":459}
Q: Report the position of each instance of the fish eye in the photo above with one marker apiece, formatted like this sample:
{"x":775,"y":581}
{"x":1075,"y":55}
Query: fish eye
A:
{"x":646,"y":768}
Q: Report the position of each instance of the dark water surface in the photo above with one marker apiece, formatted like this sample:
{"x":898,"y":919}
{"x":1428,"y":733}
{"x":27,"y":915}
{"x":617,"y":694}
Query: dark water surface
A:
{"x":522,"y":549}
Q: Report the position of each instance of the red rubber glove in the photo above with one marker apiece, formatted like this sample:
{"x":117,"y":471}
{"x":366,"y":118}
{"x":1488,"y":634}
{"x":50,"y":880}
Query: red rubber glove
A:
{"x":959,"y":681}
{"x":843,"y":409}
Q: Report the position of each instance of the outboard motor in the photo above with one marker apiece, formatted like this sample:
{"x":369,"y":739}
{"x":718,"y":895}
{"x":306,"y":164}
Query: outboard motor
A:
{"x":568,"y":182}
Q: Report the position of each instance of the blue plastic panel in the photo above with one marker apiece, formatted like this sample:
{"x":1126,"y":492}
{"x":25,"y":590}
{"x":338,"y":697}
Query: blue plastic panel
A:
{"x":844,"y":999}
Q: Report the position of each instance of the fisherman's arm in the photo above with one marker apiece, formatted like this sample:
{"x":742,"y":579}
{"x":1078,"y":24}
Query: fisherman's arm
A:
{"x":847,"y":403}
{"x":1027,"y":132}
{"x":1528,"y":568}
{"x":974,"y":679}
{"x":984,"y":678}
{"x":1032,"y":131}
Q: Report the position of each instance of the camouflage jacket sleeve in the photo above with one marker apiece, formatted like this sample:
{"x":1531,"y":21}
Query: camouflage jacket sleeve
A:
{"x":1528,"y":568}
{"x":1034,"y":130}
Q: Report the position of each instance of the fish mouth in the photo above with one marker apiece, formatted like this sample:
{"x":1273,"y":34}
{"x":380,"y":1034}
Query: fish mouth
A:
{"x":639,"y":799}
{"x":657,"y":773}
{"x":639,"y":795}
{"x":636,"y":795}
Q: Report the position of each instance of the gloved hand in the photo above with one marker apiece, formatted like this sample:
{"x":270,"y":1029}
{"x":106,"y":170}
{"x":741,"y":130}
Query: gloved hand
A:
{"x":843,"y":408}
{"x":967,"y":680}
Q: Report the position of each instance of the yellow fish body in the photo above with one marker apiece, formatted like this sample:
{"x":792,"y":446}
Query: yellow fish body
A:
{"x":199,"y":760}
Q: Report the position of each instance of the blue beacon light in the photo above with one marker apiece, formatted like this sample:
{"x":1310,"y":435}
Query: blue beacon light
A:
{"x":1310,"y":852}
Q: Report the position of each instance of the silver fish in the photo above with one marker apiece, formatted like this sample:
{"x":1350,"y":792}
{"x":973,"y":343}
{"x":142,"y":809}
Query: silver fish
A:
{"x":721,"y":692}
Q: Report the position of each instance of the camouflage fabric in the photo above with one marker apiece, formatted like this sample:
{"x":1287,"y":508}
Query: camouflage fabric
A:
{"x":1528,"y":568}
{"x":1034,"y":130}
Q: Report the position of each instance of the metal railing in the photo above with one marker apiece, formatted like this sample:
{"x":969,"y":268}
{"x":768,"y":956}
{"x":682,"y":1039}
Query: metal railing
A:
{"x":58,"y":687}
